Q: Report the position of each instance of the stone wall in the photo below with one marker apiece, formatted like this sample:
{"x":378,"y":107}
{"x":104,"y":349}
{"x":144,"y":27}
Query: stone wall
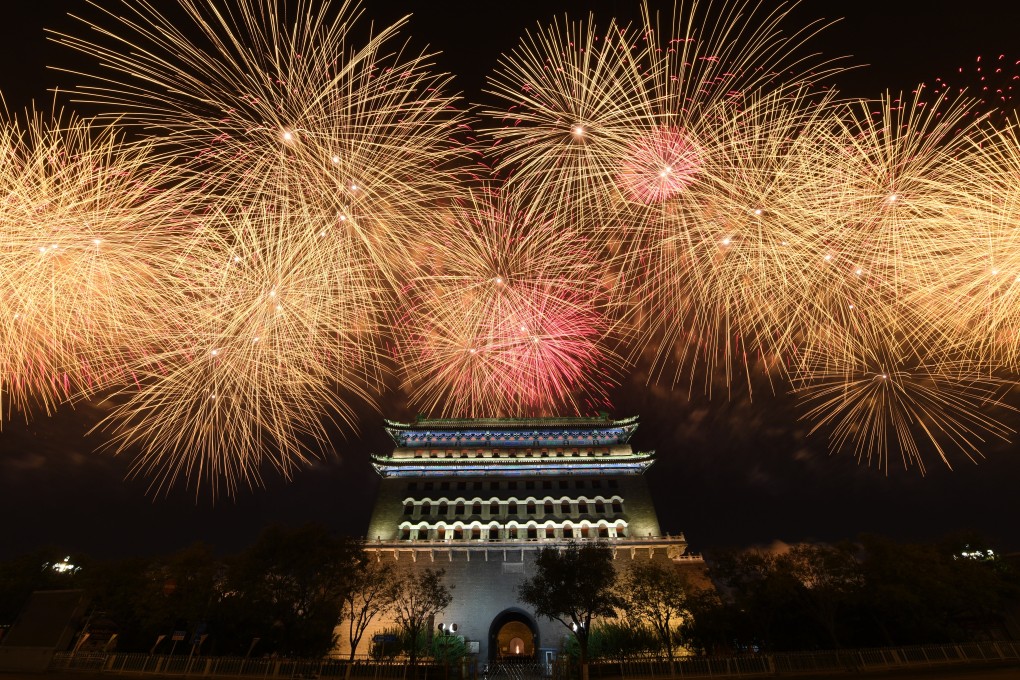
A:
{"x":485,"y":583}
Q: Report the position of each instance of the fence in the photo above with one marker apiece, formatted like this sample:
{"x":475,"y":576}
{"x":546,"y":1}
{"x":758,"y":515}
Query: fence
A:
{"x":228,"y":666}
{"x":841,"y":661}
{"x":794,"y":663}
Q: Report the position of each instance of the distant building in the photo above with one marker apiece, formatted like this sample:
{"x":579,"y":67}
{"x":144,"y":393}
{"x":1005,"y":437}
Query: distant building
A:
{"x":479,"y":498}
{"x":44,"y":627}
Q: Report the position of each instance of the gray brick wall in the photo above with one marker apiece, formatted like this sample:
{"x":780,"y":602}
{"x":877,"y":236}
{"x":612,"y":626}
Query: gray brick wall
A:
{"x":485,"y":583}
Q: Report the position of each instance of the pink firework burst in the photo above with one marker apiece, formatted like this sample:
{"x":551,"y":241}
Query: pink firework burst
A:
{"x":512,"y":321}
{"x":510,"y":352}
{"x":549,"y":347}
{"x":660,"y":165}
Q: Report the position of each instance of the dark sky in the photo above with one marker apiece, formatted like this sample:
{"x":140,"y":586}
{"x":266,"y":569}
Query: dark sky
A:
{"x":729,"y":472}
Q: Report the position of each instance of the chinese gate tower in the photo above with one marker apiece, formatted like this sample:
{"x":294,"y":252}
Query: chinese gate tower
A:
{"x":480,"y":497}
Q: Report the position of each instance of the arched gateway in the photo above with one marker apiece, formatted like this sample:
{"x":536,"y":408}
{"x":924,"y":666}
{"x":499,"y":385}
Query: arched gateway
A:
{"x":513,"y":635}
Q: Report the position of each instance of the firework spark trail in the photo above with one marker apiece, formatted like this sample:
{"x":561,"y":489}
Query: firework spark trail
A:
{"x":709,"y":260}
{"x":507,"y":317}
{"x":619,"y":128}
{"x":683,"y":193}
{"x":745,"y":215}
{"x":899,"y":193}
{"x":879,"y":399}
{"x":981,"y":281}
{"x":84,"y":225}
{"x":277,"y":318}
{"x":581,"y":100}
{"x":235,"y":90}
{"x":571,"y":90}
{"x":992,"y":80}
{"x":722,"y":275}
{"x":327,"y":151}
{"x":886,"y":365}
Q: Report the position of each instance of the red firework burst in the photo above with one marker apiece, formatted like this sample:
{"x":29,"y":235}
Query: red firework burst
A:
{"x":659,"y":165}
{"x":513,"y":324}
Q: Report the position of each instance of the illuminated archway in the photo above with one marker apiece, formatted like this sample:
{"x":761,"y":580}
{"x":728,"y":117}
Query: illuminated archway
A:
{"x":513,"y":635}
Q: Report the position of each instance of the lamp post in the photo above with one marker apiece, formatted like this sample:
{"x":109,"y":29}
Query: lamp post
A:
{"x":446,"y":630}
{"x":581,"y":632}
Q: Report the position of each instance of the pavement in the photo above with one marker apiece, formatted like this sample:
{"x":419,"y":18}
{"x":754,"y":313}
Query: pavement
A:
{"x":1007,"y":671}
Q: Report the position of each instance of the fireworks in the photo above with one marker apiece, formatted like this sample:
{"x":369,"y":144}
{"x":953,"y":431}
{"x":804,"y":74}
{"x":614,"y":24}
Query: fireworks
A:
{"x":982,"y":278}
{"x":310,"y":157}
{"x":279,"y":314}
{"x":875,"y":399}
{"x":255,"y":99}
{"x":721,"y":270}
{"x":756,"y":223}
{"x":632,"y":133}
{"x":572,"y":90}
{"x":659,"y":167}
{"x":85,"y":223}
{"x":506,"y":315}
{"x":300,"y":217}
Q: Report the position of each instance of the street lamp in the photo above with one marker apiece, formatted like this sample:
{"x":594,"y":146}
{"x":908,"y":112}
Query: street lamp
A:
{"x":446,"y":629}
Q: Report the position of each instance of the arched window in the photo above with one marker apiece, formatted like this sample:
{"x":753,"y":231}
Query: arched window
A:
{"x":444,"y":509}
{"x":408,"y":508}
{"x":405,"y":534}
{"x":511,"y":508}
{"x":532,"y":533}
{"x":582,"y":507}
{"x":603,"y":531}
{"x":494,"y":508}
{"x":493,"y":532}
{"x":621,"y":530}
{"x":458,"y":534}
{"x":618,"y":507}
{"x":476,"y":509}
{"x":600,"y":507}
{"x":548,"y":508}
{"x":565,"y":507}
{"x":426,"y":508}
{"x":459,"y":511}
{"x":550,"y":532}
{"x":511,"y":533}
{"x":531,"y":508}
{"x":476,"y":533}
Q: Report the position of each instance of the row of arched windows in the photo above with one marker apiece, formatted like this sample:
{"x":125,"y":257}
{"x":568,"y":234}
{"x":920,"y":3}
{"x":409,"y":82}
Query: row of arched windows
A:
{"x":512,"y":531}
{"x":524,"y":508}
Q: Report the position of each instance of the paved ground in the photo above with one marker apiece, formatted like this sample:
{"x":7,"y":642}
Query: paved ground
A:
{"x":989,"y":672}
{"x":996,"y":672}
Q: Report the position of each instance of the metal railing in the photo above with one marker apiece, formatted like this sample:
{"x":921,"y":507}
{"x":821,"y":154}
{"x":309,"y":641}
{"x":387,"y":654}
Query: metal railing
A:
{"x":228,"y":666}
{"x":754,"y":665}
{"x":796,"y":663}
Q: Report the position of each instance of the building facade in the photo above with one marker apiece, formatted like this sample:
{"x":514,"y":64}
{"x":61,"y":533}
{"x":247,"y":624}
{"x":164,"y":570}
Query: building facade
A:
{"x":479,"y":498}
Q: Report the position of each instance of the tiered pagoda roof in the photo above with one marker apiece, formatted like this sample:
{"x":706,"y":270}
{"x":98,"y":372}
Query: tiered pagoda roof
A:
{"x":508,"y":432}
{"x":542,"y":446}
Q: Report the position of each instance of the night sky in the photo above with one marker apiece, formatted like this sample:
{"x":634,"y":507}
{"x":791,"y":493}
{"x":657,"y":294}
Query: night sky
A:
{"x":730,"y":472}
